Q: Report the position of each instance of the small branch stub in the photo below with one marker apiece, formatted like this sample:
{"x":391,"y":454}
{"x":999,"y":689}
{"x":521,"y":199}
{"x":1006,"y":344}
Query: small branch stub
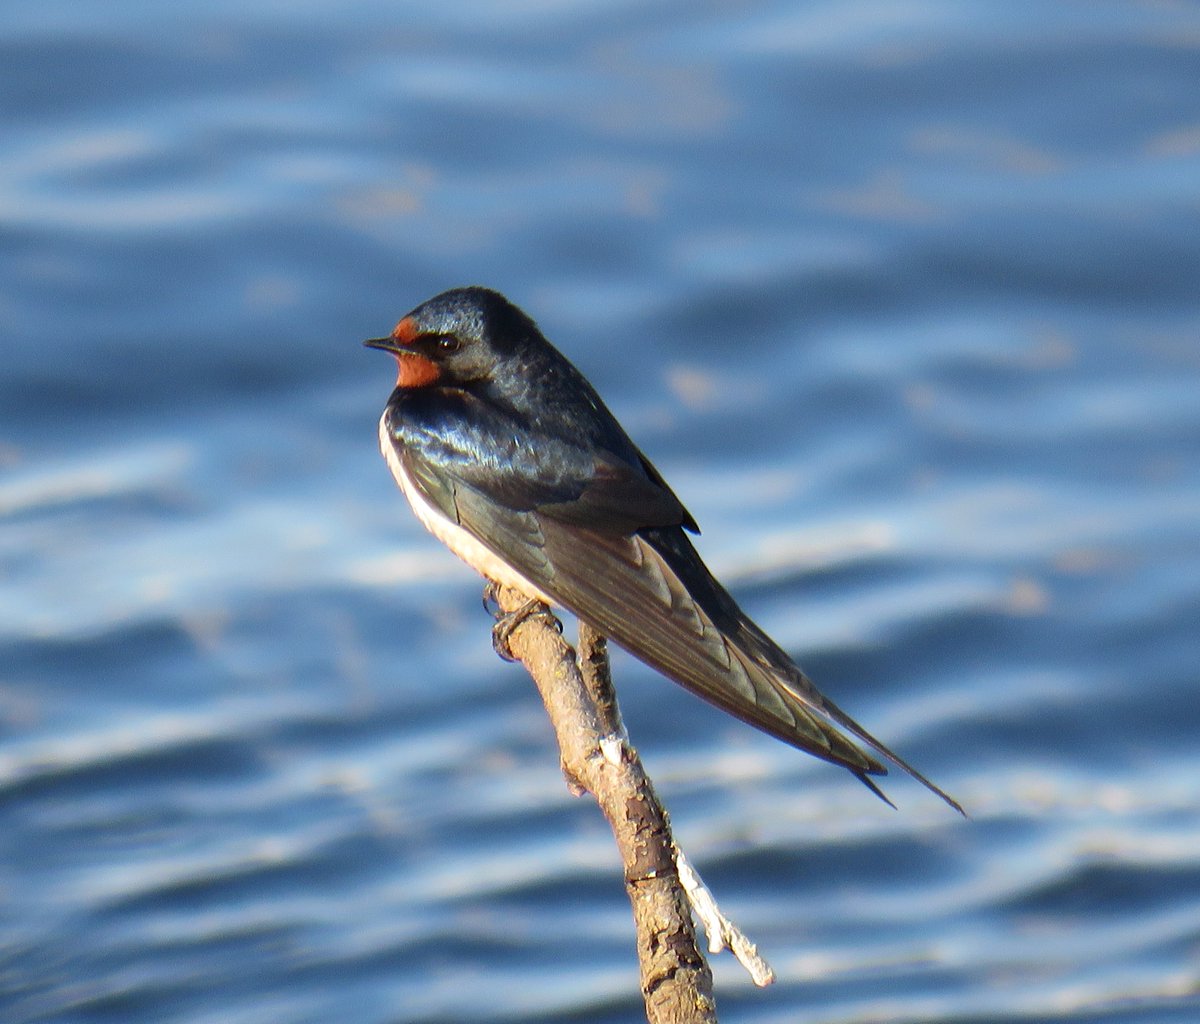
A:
{"x":722,"y":933}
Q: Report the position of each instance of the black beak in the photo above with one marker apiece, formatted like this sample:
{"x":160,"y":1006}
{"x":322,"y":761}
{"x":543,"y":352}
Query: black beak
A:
{"x":383,"y":344}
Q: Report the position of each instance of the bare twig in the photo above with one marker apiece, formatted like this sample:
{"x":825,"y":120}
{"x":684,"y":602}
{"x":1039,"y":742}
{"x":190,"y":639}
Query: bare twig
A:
{"x":597,"y":758}
{"x":722,"y":933}
{"x":676,"y":981}
{"x":597,"y":677}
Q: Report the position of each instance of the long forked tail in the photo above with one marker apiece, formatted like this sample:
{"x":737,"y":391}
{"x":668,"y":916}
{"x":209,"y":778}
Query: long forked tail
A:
{"x":843,"y":720}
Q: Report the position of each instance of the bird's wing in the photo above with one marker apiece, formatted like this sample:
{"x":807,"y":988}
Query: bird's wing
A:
{"x":649,"y":592}
{"x":606,"y":483}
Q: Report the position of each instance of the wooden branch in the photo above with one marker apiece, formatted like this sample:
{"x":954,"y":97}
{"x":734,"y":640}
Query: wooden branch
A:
{"x":722,"y":933}
{"x":597,"y":757}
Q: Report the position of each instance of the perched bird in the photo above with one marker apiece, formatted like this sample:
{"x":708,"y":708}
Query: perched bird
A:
{"x":508,"y":456}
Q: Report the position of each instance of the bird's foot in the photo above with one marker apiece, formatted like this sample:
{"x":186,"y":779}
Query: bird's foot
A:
{"x":507,"y":622}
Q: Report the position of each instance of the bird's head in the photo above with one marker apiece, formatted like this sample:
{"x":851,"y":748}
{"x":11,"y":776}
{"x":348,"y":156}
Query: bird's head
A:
{"x":457,"y":338}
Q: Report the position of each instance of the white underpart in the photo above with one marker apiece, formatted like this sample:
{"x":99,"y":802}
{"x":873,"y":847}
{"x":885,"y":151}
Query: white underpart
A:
{"x":472,"y":551}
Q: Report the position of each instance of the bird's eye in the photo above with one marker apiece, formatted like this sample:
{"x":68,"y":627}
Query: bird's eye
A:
{"x":447,"y":343}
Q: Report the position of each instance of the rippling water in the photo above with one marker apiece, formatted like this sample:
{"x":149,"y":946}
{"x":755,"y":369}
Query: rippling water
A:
{"x":902,"y":298}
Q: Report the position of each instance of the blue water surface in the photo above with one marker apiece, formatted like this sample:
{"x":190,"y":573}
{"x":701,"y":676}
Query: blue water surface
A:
{"x":903,"y":300}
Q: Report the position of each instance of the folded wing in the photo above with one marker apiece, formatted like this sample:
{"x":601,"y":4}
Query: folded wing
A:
{"x":645,"y":587}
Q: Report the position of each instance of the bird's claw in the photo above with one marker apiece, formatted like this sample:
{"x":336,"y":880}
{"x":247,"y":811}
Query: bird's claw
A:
{"x":507,"y":622}
{"x":491,"y":598}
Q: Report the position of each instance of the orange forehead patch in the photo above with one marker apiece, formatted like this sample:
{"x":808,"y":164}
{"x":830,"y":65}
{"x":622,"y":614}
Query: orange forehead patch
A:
{"x":406,"y":331}
{"x":414,"y":371}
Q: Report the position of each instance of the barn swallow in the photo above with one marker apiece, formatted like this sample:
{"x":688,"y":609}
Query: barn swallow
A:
{"x":509,"y":457}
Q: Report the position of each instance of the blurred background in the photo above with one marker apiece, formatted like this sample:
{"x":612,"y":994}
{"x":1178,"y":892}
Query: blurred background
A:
{"x":902,"y":298}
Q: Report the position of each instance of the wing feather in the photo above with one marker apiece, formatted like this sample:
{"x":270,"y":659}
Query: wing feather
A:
{"x":622,"y":586}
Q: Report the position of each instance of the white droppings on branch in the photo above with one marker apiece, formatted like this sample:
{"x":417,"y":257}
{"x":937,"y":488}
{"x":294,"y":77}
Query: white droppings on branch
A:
{"x":613,"y":748}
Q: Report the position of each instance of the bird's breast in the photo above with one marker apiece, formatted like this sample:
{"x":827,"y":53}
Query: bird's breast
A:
{"x":465,"y":545}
